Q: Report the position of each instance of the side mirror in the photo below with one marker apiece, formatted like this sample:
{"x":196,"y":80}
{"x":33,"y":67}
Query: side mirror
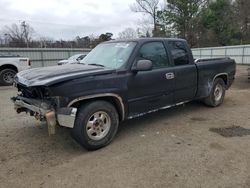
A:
{"x":143,"y":65}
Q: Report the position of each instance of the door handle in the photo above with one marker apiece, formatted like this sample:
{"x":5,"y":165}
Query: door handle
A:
{"x":169,"y":76}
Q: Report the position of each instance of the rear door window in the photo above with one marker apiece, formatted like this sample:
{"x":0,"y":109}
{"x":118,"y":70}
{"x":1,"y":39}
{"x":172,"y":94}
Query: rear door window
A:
{"x":179,"y":53}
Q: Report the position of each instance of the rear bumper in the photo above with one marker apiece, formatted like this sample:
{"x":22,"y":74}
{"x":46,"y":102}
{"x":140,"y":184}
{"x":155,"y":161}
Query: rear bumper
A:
{"x":43,"y":110}
{"x":230,"y":82}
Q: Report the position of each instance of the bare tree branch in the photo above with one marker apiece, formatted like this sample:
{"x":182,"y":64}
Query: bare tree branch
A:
{"x":19,"y":35}
{"x":128,"y":33}
{"x":149,"y":7}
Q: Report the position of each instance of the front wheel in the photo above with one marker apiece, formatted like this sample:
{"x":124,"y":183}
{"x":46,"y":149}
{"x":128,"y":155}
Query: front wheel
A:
{"x":96,"y":125}
{"x":7,"y":77}
{"x":217,"y":94}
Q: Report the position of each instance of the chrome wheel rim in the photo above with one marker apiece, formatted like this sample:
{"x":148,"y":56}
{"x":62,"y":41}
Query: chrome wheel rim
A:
{"x":98,"y":125}
{"x":218,"y":92}
{"x":8,"y":77}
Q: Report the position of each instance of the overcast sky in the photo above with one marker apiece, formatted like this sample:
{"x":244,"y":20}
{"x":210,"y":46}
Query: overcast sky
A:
{"x":65,"y":19}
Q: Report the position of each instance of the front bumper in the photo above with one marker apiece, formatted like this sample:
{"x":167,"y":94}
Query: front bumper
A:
{"x":43,"y":110}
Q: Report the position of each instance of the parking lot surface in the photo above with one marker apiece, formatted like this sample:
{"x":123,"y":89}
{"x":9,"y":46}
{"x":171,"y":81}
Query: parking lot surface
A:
{"x":186,"y":146}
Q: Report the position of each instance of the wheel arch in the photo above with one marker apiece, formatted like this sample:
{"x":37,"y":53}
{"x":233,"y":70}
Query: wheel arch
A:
{"x":223,"y":76}
{"x":112,"y":98}
{"x":8,"y":66}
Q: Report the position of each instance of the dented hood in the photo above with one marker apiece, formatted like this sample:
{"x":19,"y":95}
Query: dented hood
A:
{"x":55,"y":74}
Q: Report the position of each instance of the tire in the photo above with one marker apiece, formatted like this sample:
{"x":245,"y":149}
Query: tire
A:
{"x":7,"y":77}
{"x":96,"y":125}
{"x":217,"y":94}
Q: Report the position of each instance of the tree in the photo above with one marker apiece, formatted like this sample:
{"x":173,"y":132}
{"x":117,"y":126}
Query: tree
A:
{"x":105,"y":37}
{"x":19,"y":35}
{"x":242,"y":19}
{"x":45,"y":42}
{"x":218,"y":18}
{"x":128,"y":33}
{"x":149,"y":7}
{"x":83,"y":42}
{"x":144,"y":28}
{"x":181,"y":18}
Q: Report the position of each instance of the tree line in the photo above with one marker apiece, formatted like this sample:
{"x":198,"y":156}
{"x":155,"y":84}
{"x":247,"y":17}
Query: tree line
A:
{"x":202,"y":23}
{"x":21,"y":36}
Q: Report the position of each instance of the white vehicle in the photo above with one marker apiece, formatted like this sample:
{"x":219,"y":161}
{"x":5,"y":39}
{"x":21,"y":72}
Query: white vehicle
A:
{"x":10,"y":65}
{"x":73,"y":59}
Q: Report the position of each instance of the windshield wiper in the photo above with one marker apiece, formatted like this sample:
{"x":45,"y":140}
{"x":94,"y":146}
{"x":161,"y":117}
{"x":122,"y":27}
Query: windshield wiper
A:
{"x":96,"y":64}
{"x":78,"y":63}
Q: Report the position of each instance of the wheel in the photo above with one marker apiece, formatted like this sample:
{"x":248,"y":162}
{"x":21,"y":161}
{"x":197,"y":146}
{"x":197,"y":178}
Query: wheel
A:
{"x":217,"y":94}
{"x":96,"y":125}
{"x":7,"y":77}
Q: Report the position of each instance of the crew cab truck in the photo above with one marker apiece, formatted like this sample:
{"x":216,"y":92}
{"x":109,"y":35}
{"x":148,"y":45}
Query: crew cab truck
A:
{"x":120,"y":80}
{"x":10,"y":65}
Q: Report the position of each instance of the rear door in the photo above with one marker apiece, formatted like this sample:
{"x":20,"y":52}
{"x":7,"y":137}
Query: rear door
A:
{"x":150,"y":90}
{"x":185,"y":71}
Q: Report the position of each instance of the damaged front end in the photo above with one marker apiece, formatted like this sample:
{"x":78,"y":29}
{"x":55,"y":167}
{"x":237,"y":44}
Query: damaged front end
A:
{"x":39,"y":103}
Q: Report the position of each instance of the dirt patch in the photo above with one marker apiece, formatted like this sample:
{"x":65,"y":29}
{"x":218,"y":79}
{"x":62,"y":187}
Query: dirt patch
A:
{"x":234,"y":131}
{"x":158,"y":150}
{"x":198,"y":119}
{"x":216,"y":146}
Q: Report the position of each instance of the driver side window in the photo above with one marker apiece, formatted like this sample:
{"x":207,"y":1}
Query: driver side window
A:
{"x":155,"y":52}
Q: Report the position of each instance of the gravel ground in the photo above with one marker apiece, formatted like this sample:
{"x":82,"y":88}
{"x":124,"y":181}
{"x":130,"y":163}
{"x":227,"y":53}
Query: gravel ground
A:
{"x":171,"y":148}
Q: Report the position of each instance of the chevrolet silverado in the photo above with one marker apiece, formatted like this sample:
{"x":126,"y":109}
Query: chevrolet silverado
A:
{"x":120,"y":80}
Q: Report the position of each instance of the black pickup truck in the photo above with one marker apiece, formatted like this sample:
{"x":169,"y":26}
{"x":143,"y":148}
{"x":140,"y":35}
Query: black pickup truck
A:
{"x":120,"y":80}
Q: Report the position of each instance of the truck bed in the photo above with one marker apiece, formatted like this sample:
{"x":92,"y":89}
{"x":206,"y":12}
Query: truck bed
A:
{"x":208,"y":69}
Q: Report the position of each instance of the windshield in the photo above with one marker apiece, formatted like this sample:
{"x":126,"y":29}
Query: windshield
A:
{"x":112,"y":55}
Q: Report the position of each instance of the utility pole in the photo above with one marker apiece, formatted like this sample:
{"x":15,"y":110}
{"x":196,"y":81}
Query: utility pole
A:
{"x":6,"y":39}
{"x":23,"y":24}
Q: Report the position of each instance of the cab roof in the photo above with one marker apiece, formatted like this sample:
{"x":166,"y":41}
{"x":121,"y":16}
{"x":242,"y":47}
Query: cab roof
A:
{"x":142,"y":40}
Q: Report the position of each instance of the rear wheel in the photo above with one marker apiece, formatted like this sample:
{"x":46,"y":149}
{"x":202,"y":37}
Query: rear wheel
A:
{"x":217,"y":94}
{"x":7,"y":76}
{"x":96,"y":125}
